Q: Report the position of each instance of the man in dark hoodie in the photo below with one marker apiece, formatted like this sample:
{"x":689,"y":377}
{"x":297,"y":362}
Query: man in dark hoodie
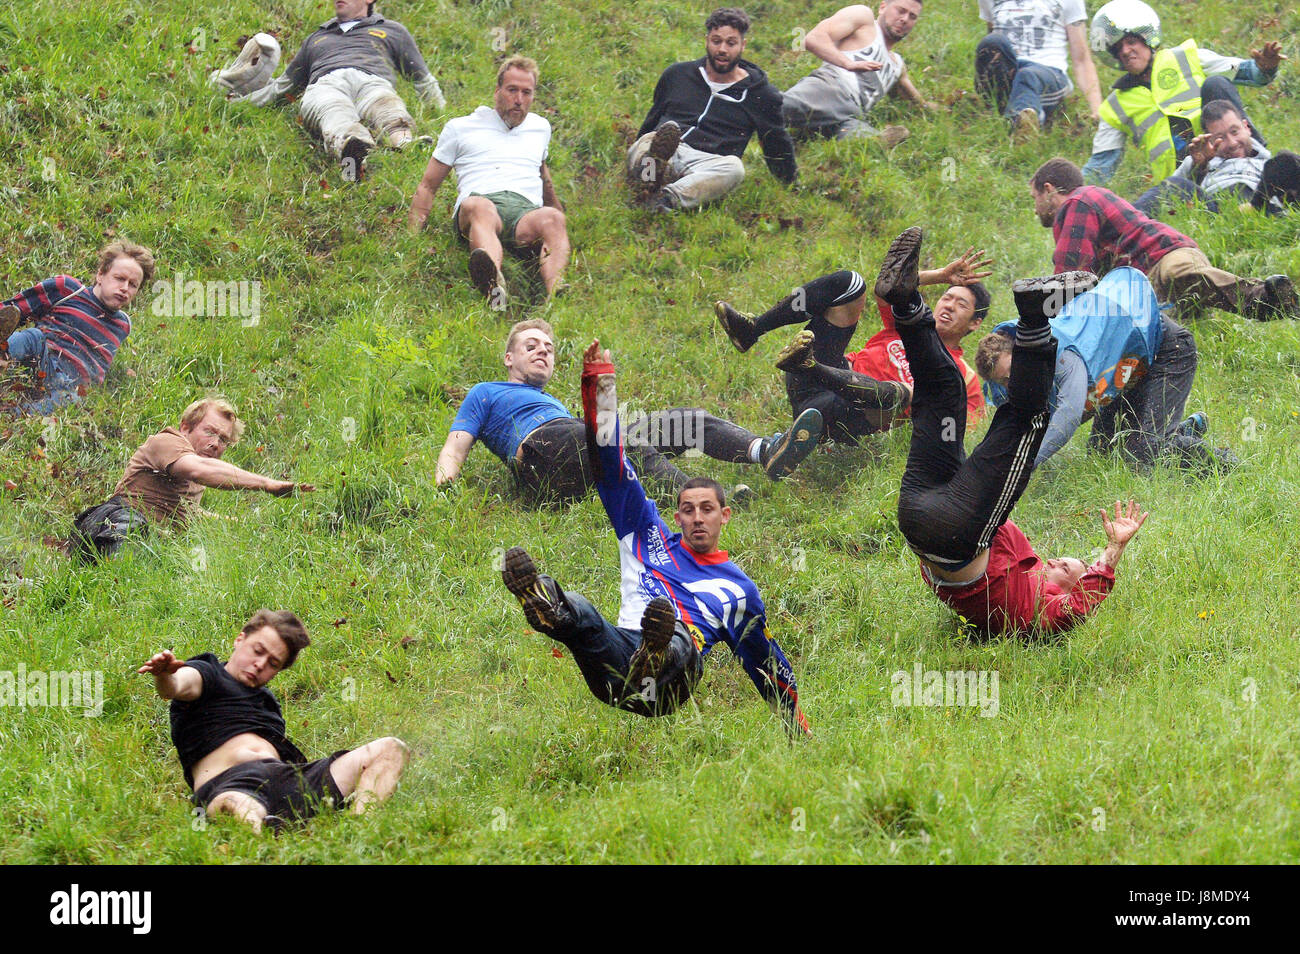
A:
{"x":688,"y":151}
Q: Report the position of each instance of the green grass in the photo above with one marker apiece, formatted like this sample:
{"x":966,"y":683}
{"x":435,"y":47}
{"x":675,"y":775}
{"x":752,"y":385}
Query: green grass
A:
{"x":1172,"y":712}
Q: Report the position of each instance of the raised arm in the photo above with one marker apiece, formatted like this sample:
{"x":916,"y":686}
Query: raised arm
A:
{"x":452,"y":457}
{"x":970,"y":266}
{"x":214,"y":472}
{"x":1085,"y":70}
{"x":1062,"y":612}
{"x":36,"y":301}
{"x":172,"y":678}
{"x":421,"y":205}
{"x":824,"y":39}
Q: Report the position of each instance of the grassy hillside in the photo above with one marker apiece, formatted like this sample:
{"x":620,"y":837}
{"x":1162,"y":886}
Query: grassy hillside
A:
{"x":1161,"y":731}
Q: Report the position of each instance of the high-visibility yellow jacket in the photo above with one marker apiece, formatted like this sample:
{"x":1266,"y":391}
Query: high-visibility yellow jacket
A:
{"x":1142,"y":112}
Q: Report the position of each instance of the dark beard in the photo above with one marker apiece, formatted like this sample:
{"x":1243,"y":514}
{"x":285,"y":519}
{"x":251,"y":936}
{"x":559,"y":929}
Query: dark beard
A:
{"x":713,"y":65}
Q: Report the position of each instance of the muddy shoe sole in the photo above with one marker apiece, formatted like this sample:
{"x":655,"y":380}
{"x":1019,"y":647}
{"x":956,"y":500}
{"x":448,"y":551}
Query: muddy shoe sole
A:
{"x":900,"y":270}
{"x":797,"y":355}
{"x":541,"y":603}
{"x":1050,"y":293}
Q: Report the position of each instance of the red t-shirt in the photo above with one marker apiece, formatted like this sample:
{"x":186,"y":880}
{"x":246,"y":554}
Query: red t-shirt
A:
{"x":884,"y":359}
{"x":1011,"y":598}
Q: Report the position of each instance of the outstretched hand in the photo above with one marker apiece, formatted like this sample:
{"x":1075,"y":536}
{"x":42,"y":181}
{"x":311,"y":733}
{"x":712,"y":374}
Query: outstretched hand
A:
{"x":162,"y":664}
{"x":594,"y":354}
{"x":1269,"y":57}
{"x":1203,"y":148}
{"x":965,"y":269}
{"x":1126,"y":523}
{"x":283,"y":488}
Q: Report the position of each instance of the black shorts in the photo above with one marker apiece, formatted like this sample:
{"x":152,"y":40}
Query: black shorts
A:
{"x":287,"y":789}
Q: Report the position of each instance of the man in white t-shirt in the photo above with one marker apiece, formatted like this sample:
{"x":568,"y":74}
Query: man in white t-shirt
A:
{"x":1021,"y":65}
{"x":505,"y":195}
{"x":860,"y":68}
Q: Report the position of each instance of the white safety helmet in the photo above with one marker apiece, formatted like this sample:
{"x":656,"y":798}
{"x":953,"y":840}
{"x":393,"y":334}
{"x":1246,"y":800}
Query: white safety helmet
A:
{"x":1117,"y":19}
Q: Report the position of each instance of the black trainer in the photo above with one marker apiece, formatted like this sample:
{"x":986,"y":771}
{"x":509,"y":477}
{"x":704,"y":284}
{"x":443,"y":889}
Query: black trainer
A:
{"x":900,"y":270}
{"x":784,"y":451}
{"x":539,"y":595}
{"x":485,"y":276}
{"x":658,"y":623}
{"x":1279,"y":294}
{"x":738,"y":326}
{"x":353,"y":164}
{"x":798,"y":354}
{"x":1046,"y":296}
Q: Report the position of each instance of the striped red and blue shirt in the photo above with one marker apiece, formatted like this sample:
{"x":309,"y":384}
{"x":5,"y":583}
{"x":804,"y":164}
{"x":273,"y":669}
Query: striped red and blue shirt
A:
{"x":77,"y":326}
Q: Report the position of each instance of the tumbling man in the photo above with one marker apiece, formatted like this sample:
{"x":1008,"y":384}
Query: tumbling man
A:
{"x":1119,"y":359}
{"x":1157,"y":103}
{"x":546,"y":447}
{"x":1020,"y":66}
{"x":504,"y":191}
{"x":953,"y":509}
{"x":164,"y":480}
{"x":75,"y":330}
{"x":230,"y":734}
{"x":681,"y":595}
{"x":859,"y":68}
{"x":1228,"y":160}
{"x":868,"y":390}
{"x":1096,"y":230}
{"x":688,"y":151}
{"x":347,"y":67}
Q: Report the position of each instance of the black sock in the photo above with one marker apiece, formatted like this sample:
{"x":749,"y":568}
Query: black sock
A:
{"x":812,"y":300}
{"x":832,"y":340}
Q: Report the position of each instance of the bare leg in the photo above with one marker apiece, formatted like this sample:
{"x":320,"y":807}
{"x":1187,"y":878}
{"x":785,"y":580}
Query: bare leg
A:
{"x":546,"y":225}
{"x":371,"y":772}
{"x":243,"y":806}
{"x":481,"y":225}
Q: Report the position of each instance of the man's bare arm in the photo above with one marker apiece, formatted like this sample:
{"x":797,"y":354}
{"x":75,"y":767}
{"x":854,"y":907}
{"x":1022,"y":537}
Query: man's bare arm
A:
{"x":434,"y":173}
{"x":1085,"y":70}
{"x":1119,"y":531}
{"x":549,"y":197}
{"x":212,"y":472}
{"x":172,"y":678}
{"x":823,"y":40}
{"x":453,"y":455}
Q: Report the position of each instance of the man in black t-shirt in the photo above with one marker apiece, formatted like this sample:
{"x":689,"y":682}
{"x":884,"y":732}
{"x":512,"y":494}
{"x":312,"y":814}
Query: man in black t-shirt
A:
{"x":230,"y":734}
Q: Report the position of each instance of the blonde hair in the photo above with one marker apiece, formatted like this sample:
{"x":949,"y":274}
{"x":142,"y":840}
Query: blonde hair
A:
{"x":199,"y":410}
{"x":525,"y":63}
{"x":530,"y":324}
{"x":111,"y":252}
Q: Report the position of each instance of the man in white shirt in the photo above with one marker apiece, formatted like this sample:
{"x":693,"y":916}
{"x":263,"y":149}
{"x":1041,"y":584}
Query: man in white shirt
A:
{"x":860,"y":68}
{"x":1021,"y":65}
{"x":505,"y":195}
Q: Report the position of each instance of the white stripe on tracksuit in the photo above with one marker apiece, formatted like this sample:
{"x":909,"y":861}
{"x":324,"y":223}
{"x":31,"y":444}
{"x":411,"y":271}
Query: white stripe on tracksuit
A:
{"x":1023,"y":458}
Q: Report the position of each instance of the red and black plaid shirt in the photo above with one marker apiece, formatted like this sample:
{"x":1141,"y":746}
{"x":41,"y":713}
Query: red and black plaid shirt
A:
{"x":1097,"y":230}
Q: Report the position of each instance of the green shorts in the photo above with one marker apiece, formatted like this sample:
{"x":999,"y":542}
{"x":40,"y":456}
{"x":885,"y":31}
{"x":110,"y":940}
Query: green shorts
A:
{"x":511,"y":206}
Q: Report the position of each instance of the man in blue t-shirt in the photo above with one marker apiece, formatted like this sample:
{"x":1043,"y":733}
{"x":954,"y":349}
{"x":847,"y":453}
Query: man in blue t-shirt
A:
{"x":1125,"y":365}
{"x":681,"y":595}
{"x":546,"y":446}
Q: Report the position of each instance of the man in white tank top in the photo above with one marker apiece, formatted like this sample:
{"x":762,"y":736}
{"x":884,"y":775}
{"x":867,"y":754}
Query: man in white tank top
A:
{"x":860,"y":68}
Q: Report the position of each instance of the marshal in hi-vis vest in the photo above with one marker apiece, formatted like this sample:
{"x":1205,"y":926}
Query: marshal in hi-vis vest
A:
{"x":1142,"y":113}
